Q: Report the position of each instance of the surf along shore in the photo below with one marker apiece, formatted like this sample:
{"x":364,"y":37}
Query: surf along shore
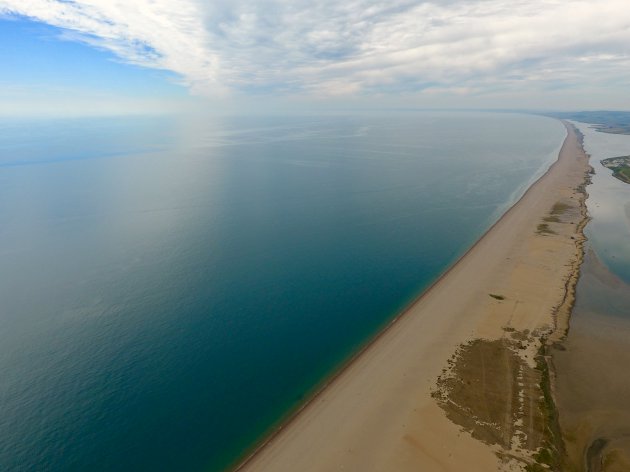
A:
{"x":460,"y":380}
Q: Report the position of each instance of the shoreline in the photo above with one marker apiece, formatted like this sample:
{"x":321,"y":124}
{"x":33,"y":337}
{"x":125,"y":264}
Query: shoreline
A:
{"x":295,"y":439}
{"x":562,"y":313}
{"x":592,"y":384}
{"x":591,"y":362}
{"x":242,"y":463}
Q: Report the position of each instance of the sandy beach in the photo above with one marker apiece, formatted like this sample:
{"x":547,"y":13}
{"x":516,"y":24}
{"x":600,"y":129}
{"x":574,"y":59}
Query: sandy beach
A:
{"x":456,"y":381}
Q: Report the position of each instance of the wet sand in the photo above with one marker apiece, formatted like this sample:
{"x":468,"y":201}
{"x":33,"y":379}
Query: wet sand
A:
{"x":592,"y":383}
{"x":396,"y":406}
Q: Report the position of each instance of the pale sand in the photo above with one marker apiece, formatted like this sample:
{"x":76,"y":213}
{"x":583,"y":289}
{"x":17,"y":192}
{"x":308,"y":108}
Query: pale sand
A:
{"x":378,"y":414}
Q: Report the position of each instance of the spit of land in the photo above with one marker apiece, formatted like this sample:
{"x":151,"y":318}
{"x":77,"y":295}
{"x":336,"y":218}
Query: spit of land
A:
{"x":459,"y":381}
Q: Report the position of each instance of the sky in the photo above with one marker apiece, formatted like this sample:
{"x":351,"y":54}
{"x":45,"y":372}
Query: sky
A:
{"x":108,"y":56}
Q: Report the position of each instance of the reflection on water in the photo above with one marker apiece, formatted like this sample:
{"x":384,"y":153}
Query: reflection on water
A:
{"x":608,"y":202}
{"x":170,"y":288}
{"x":592,"y":381}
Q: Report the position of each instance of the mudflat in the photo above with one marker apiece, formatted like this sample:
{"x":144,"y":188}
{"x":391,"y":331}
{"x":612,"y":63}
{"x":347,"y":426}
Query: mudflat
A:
{"x":592,"y":384}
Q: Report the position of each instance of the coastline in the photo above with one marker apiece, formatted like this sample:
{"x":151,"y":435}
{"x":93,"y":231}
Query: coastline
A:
{"x":591,"y":363}
{"x":379,"y":412}
{"x":592,"y":382}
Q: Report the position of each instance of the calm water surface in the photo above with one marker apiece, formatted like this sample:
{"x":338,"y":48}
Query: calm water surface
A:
{"x":602,"y":288}
{"x":592,"y":384}
{"x":171,"y":287}
{"x":609,"y":202}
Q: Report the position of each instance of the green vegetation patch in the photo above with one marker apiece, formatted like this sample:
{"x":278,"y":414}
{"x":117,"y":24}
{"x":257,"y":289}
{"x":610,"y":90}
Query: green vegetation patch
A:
{"x":551,"y":454}
{"x":620,"y":167}
{"x":624,"y":173}
{"x":559,"y":208}
{"x":483,"y":389}
{"x":543,"y":228}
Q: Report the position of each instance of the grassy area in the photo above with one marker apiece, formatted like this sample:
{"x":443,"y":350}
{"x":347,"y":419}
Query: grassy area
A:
{"x":543,"y":228}
{"x":620,"y":167}
{"x":624,"y":174}
{"x":559,"y":208}
{"x":483,"y":390}
{"x":550,"y":454}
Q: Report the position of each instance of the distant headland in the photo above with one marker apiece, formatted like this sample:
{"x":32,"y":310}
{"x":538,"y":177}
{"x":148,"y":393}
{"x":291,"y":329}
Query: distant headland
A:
{"x":613,"y":122}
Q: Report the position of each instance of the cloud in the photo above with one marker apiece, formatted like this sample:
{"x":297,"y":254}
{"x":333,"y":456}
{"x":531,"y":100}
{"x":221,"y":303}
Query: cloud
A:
{"x":354,"y":47}
{"x":161,"y":34}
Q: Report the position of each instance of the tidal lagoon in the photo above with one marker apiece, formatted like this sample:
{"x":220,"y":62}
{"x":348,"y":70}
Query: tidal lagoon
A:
{"x":592,"y":365}
{"x":173,"y":288}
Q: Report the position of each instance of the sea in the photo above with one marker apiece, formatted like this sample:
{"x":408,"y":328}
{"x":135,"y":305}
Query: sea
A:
{"x":173,"y":287}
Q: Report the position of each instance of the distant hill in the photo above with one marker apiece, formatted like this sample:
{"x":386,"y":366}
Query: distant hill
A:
{"x":615,"y":122}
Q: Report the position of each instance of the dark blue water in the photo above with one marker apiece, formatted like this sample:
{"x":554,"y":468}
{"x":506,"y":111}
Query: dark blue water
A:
{"x":172,"y":287}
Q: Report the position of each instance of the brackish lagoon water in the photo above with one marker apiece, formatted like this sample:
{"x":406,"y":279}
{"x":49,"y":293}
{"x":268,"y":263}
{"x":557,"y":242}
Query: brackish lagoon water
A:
{"x":609,"y":202}
{"x":592,"y":384}
{"x":601,"y":290}
{"x":172,"y":287}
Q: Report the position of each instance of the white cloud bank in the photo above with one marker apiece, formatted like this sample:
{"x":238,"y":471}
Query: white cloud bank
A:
{"x":354,"y":47}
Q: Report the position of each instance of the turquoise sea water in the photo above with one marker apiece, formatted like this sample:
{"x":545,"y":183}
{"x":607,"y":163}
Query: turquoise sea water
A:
{"x":172,"y":287}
